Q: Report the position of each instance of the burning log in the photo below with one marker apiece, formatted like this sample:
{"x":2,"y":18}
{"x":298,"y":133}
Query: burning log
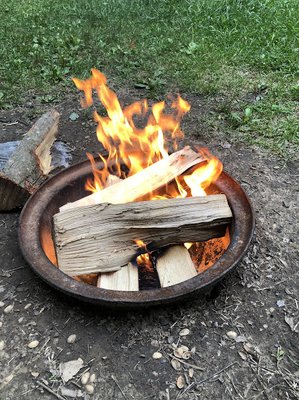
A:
{"x":103,"y":237}
{"x":175,"y":266}
{"x":143,"y":182}
{"x":124,"y":279}
{"x":29,"y":164}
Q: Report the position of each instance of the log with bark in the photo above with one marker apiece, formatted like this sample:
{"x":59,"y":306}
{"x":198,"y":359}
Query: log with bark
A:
{"x":102,"y":237}
{"x":30,"y":163}
{"x":143,"y":182}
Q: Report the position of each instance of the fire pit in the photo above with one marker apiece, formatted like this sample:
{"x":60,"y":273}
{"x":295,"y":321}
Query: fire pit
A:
{"x":37,"y":245}
{"x":160,"y":225}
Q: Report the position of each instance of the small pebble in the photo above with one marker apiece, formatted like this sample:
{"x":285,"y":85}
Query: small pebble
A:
{"x":191,"y":372}
{"x":184,"y":332}
{"x":8,"y":309}
{"x":1,"y":323}
{"x":232,"y":335}
{"x":157,"y":355}
{"x":33,"y":344}
{"x":71,"y":338}
{"x":2,"y":344}
{"x":1,"y":304}
{"x":240,"y":339}
{"x":89,"y":389}
{"x":27,"y":306}
{"x":35,"y":374}
{"x":242,"y":355}
{"x":176,"y":364}
{"x":92,"y":378}
{"x":180,"y":382}
{"x":85,"y":378}
{"x":280,"y":303}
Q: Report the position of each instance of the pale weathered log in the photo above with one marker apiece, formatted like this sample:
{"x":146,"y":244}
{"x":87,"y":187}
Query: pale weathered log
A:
{"x":29,"y":164}
{"x":175,"y":266}
{"x":127,"y":277}
{"x":143,"y":182}
{"x":102,"y":237}
{"x":124,"y":279}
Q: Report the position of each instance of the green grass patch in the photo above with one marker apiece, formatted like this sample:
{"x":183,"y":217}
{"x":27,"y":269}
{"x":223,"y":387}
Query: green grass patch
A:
{"x":213,"y":47}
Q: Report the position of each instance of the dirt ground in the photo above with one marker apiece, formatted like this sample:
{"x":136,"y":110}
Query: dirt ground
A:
{"x":257,"y":304}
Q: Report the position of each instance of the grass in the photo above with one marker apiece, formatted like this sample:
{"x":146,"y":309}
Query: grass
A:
{"x":244,"y":51}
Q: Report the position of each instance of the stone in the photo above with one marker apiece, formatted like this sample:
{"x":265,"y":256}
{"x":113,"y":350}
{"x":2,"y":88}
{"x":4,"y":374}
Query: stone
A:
{"x":33,"y":344}
{"x":85,"y":378}
{"x":8,"y":309}
{"x":184,"y":332}
{"x":89,"y":389}
{"x":232,"y":335}
{"x":71,"y":338}
{"x":180,"y":382}
{"x":157,"y":355}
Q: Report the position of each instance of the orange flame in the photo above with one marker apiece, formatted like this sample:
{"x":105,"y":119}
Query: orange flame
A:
{"x":135,"y":147}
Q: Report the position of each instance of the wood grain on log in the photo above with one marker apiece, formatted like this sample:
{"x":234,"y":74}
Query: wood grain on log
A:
{"x":143,"y":182}
{"x":101,"y":238}
{"x":124,"y":279}
{"x":175,"y":266}
{"x":29,"y":164}
{"x":127,"y":277}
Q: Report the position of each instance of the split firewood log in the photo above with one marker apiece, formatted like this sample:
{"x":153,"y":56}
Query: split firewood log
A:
{"x":175,"y":266}
{"x":30,"y":163}
{"x":104,"y":237}
{"x":125,"y":279}
{"x":143,"y":182}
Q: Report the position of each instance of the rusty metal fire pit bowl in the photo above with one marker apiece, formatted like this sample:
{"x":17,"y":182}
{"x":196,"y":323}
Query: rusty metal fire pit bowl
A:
{"x":35,"y":238}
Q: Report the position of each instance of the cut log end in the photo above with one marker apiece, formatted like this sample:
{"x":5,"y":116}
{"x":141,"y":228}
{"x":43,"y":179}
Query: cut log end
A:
{"x":29,"y":164}
{"x":175,"y":266}
{"x":125,"y":279}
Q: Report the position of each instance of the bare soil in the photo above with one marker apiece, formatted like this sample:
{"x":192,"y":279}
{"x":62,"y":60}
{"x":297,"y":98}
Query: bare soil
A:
{"x":258,"y":301}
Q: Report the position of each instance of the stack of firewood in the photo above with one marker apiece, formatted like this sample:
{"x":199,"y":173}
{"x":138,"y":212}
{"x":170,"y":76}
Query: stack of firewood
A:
{"x":101,"y":233}
{"x":29,"y":164}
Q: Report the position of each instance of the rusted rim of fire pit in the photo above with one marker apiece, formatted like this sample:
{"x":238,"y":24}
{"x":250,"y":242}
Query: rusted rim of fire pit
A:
{"x":68,"y":185}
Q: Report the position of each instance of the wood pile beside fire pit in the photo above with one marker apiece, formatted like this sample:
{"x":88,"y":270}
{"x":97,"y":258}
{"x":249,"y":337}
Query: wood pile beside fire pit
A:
{"x":29,"y":164}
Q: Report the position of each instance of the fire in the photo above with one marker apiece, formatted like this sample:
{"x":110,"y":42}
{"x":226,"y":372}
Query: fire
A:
{"x":132,"y":147}
{"x":136,"y":137}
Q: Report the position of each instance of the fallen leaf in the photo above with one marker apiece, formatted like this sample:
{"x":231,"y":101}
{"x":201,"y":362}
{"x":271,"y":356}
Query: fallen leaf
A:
{"x":70,"y":368}
{"x":290,"y":322}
